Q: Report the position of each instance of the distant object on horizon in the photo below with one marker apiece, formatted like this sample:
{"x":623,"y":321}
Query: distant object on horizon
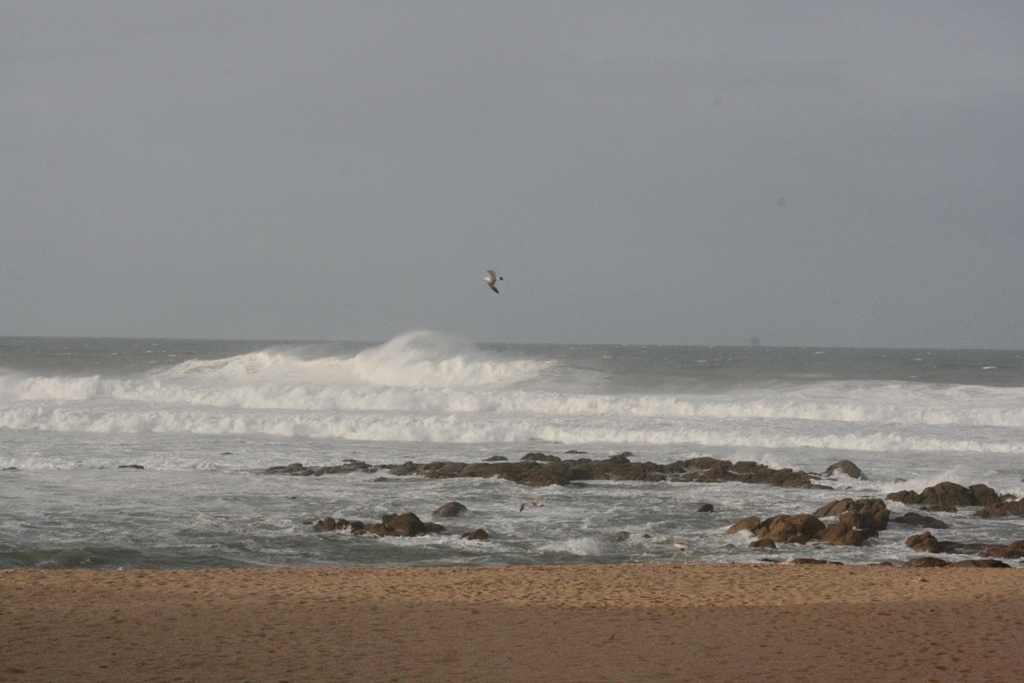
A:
{"x":491,"y":278}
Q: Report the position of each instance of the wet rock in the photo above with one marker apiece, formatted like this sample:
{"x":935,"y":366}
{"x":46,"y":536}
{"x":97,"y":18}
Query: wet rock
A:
{"x":296,"y":468}
{"x":452,"y":509}
{"x":948,"y":495}
{"x":789,"y":528}
{"x":924,"y":543}
{"x":842,"y":533}
{"x":762,"y":543}
{"x":929,"y":544}
{"x":845,"y":467}
{"x":496,"y":458}
{"x":540,"y":457}
{"x":620,"y":537}
{"x":811,"y":560}
{"x":540,"y":469}
{"x":939,"y":508}
{"x":869,"y":514}
{"x":478,"y":535}
{"x":331,"y":524}
{"x":925,"y":561}
{"x":1002,"y":509}
{"x":130,"y":467}
{"x":1014,"y":551}
{"x":917,"y":519}
{"x":706,"y":507}
{"x":407,"y":524}
{"x":745,"y":524}
{"x":325,"y":524}
{"x":994,"y":564}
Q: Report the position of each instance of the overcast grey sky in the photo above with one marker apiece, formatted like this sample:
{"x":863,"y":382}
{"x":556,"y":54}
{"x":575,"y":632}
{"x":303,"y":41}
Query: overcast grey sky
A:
{"x":814,"y":173}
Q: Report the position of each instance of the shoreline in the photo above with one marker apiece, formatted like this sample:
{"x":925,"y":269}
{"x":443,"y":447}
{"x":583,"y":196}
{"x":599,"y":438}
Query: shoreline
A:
{"x":678,"y":622}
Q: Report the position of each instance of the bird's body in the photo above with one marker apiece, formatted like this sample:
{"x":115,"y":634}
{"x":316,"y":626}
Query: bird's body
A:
{"x":491,"y":279}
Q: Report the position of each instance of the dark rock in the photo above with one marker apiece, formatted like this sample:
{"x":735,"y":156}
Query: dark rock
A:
{"x":572,"y":451}
{"x":478,"y":535}
{"x":948,"y":495}
{"x":923,"y":543}
{"x":407,"y":524}
{"x":869,"y":514}
{"x":295,"y":469}
{"x":452,"y":509}
{"x":540,"y":469}
{"x":845,"y":467}
{"x":916,"y":519}
{"x":325,"y":524}
{"x":925,"y":561}
{"x":939,"y":508}
{"x":996,"y":564}
{"x":130,"y":467}
{"x":1002,"y":509}
{"x":762,"y":543}
{"x":745,"y":524}
{"x":620,"y":537}
{"x":811,"y":560}
{"x":841,"y":533}
{"x":540,"y":457}
{"x":789,"y":528}
{"x":706,"y":507}
{"x":1014,"y":551}
{"x":496,"y":458}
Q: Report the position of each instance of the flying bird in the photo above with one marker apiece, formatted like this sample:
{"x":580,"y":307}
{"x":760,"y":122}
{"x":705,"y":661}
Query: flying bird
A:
{"x":491,"y":278}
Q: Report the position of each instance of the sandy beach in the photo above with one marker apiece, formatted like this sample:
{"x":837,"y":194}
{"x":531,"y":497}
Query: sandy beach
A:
{"x":676,"y":622}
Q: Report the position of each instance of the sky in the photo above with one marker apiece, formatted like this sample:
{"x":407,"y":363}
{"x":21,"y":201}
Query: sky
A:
{"x":809,"y":173}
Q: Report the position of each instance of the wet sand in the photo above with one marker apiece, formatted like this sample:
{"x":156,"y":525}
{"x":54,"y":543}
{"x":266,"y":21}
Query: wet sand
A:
{"x":584,"y":623}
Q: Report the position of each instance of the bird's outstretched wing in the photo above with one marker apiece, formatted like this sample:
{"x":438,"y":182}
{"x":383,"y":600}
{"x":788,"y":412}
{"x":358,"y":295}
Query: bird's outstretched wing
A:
{"x":491,"y":278}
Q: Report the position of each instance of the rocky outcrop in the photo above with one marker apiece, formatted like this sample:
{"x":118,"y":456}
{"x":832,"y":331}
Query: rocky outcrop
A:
{"x":868,"y":514}
{"x":1013,"y":551}
{"x":927,"y":543}
{"x":452,"y":509}
{"x":297,"y":469}
{"x":917,"y":519}
{"x":478,"y":535}
{"x":789,"y":528}
{"x":925,"y":561}
{"x":843,"y":534}
{"x":706,"y":507}
{"x":1013,"y":508}
{"x":539,"y":469}
{"x":407,"y":524}
{"x":947,"y":496}
{"x":994,"y":564}
{"x":745,"y":524}
{"x":844,"y":467}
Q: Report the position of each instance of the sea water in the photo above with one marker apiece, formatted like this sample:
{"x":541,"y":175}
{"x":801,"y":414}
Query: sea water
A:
{"x":200,"y":421}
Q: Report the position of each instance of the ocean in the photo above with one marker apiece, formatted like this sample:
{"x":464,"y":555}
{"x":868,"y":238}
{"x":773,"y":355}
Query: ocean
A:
{"x":130,"y":453}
